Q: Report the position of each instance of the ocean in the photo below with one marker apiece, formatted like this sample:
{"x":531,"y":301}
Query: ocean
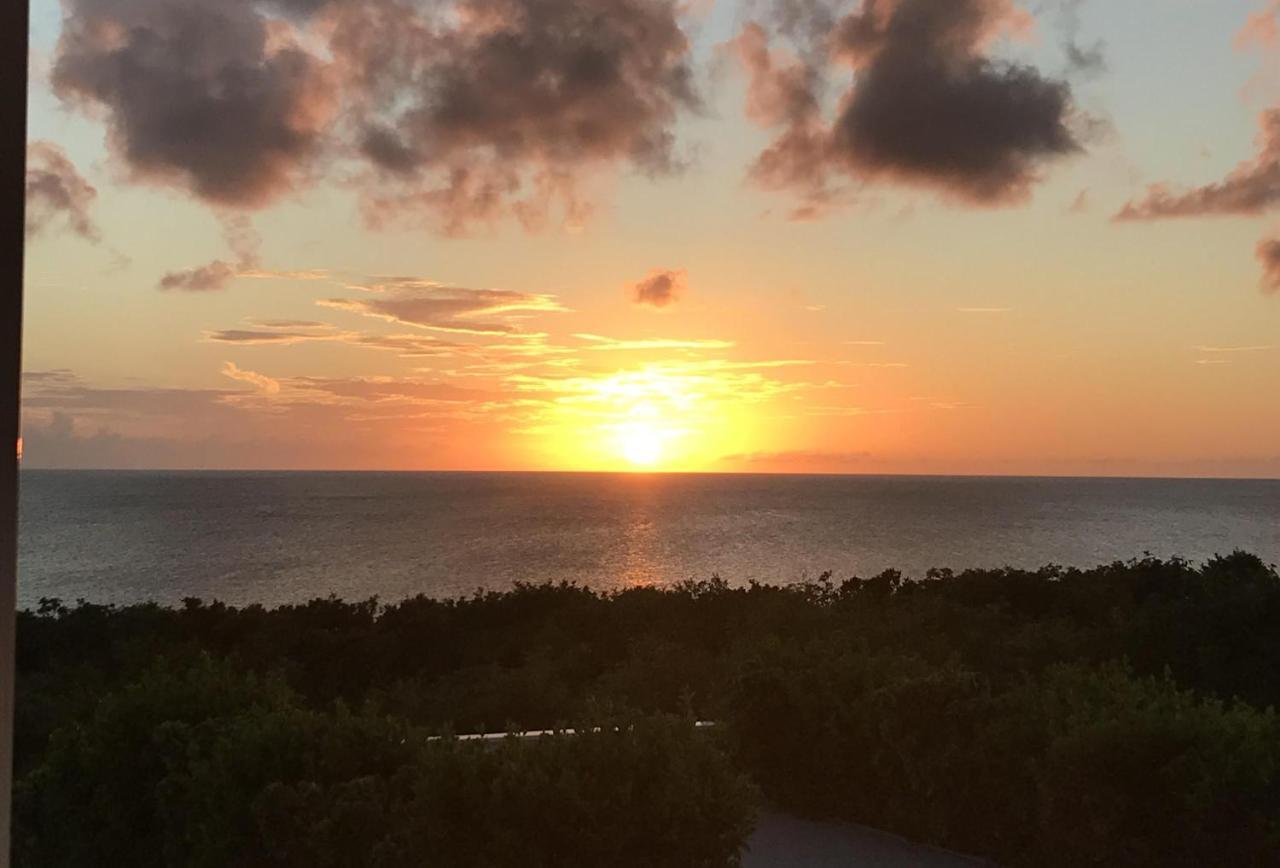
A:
{"x":273,"y":538}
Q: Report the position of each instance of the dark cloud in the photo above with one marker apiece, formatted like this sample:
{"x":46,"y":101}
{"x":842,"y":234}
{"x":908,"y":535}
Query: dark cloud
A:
{"x":465,"y":111}
{"x":500,"y":107}
{"x":56,"y":193}
{"x":1252,"y":188}
{"x":928,"y":104}
{"x":1268,"y":253}
{"x":447,"y":308}
{"x":208,"y":95}
{"x":659,"y":289}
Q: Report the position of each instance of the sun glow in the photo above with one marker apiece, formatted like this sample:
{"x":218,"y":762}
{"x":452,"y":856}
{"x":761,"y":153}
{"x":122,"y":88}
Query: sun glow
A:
{"x":642,"y":437}
{"x":673,"y":415}
{"x":641,"y":446}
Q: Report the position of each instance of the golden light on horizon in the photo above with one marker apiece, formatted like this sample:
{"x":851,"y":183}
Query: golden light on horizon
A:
{"x":643,"y":438}
{"x":642,"y":446}
{"x":659,"y":416}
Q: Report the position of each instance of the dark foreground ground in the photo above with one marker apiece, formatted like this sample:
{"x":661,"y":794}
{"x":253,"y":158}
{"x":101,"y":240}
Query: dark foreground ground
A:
{"x":1116,"y":716}
{"x":780,"y":841}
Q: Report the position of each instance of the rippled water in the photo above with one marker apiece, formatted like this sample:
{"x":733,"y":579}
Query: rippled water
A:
{"x":278,"y":537}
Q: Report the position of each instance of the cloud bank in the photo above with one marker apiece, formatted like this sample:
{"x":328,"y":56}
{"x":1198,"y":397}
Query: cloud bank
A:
{"x":454,"y":113}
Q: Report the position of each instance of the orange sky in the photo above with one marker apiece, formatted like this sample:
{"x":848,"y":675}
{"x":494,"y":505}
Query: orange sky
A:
{"x":682,"y":254}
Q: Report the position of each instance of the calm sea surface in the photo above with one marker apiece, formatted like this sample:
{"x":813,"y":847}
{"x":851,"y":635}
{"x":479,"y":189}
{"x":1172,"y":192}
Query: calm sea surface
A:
{"x":280,"y":537}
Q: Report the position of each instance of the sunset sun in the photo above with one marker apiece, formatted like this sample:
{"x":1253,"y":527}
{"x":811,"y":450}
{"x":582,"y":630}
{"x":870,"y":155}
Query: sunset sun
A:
{"x":643,"y":436}
{"x":641,"y":445}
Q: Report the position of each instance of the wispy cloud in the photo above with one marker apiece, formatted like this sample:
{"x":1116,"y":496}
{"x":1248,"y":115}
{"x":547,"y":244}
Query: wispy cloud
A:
{"x":264,"y":384}
{"x":218,"y":274}
{"x":310,"y":274}
{"x":262,"y":337}
{"x":599,"y":342}
{"x":447,"y":308}
{"x":1252,"y":188}
{"x":1256,"y":348}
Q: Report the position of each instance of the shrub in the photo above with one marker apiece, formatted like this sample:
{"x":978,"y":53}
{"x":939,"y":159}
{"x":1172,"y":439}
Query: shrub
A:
{"x":209,"y":767}
{"x":1076,"y":766}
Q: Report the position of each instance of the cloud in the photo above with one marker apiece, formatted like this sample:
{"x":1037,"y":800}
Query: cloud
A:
{"x":243,"y":241}
{"x":289,"y":324}
{"x":455,"y":113}
{"x":928,"y":105}
{"x":409,"y":346}
{"x":499,"y":108}
{"x":1081,"y":203}
{"x":447,"y":308}
{"x":205,"y":278}
{"x":1256,"y":348}
{"x":269,"y":274}
{"x":1260,"y":28}
{"x":660,"y":289}
{"x":1268,"y":253}
{"x":210,"y":96}
{"x":381,"y":390}
{"x":1081,"y":58}
{"x":264,"y":384}
{"x":1252,"y":188}
{"x":56,"y":192}
{"x":255,"y":337}
{"x":599,"y":342}
{"x":291,"y":422}
{"x":406,"y":346}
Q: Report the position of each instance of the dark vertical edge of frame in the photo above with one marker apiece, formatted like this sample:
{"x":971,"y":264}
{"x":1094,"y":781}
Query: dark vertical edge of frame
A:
{"x":13,"y":146}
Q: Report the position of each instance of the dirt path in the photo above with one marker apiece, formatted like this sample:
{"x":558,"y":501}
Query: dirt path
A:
{"x":780,"y":841}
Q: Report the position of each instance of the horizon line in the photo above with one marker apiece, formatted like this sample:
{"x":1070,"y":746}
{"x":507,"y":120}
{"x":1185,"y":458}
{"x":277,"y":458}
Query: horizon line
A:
{"x":1120,"y":477}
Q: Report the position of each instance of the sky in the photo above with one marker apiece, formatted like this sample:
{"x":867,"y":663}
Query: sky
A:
{"x":856,"y":236}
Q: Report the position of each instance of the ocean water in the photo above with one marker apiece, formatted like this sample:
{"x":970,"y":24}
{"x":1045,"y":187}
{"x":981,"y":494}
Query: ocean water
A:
{"x":283,"y":537}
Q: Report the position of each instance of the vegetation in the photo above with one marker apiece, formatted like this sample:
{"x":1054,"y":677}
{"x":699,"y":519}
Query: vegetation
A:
{"x":1120,"y":715}
{"x":210,"y":766}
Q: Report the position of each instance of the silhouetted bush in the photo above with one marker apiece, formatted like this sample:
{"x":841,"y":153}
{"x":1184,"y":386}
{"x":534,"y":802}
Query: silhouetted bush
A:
{"x":1119,"y":714}
{"x":1073,"y":767}
{"x":205,"y":766}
